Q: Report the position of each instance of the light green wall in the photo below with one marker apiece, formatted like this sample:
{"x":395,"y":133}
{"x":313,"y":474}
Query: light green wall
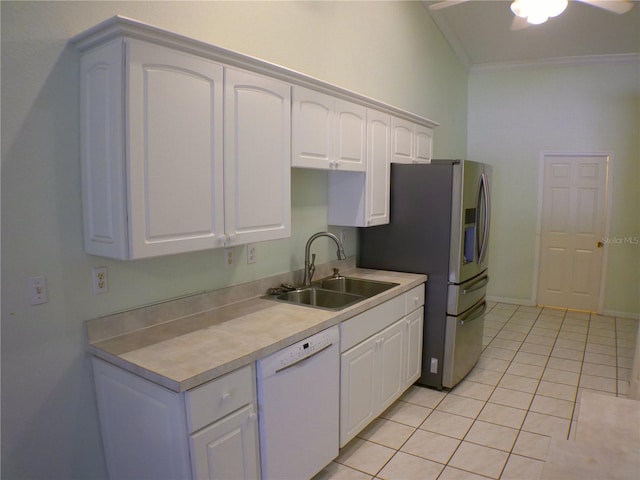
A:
{"x":390,"y":51}
{"x":517,"y":114}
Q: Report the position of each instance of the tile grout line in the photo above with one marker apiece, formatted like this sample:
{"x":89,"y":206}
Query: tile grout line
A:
{"x":487,"y":401}
{"x":534,"y":394}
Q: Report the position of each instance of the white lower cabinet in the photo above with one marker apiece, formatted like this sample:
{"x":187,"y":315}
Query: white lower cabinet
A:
{"x":371,"y":378}
{"x":414,"y":324}
{"x":150,"y":432}
{"x":377,"y":370}
{"x":227,"y":448}
{"x":211,"y":431}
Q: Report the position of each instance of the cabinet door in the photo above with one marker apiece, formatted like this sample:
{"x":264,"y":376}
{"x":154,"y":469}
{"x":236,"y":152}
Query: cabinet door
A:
{"x":391,"y":361}
{"x":143,"y":426}
{"x":350,"y":136}
{"x":228,"y":449}
{"x":311,"y":129}
{"x":174,"y":151}
{"x":378,"y":168}
{"x":358,"y":397}
{"x":402,"y":141}
{"x":413,"y":355}
{"x":104,"y":200}
{"x":423,"y":143}
{"x":257,"y":164}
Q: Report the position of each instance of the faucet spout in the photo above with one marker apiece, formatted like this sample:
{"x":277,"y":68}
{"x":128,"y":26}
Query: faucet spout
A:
{"x":309,"y":265}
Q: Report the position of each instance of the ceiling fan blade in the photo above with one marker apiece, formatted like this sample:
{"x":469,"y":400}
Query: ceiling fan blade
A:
{"x":445,"y":4}
{"x":519,"y":23}
{"x":614,"y":6}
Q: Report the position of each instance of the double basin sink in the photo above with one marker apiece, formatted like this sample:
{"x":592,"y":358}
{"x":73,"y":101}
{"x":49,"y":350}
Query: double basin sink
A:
{"x":334,"y":293}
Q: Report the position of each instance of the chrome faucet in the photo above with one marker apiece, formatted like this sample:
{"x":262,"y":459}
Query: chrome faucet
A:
{"x":309,"y":266}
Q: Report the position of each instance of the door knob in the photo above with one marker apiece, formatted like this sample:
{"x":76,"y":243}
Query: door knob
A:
{"x":600,"y":244}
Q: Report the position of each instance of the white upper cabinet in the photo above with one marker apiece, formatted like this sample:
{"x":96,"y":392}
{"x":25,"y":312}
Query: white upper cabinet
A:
{"x":155,"y":181}
{"x":327,"y":132}
{"x":360,"y":200}
{"x":151,"y":150}
{"x":378,"y":167}
{"x":187,"y":146}
{"x":411,"y":142}
{"x":311,"y":121}
{"x":257,"y":164}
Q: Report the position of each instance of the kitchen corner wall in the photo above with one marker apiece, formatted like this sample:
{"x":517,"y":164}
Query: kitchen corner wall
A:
{"x":390,"y":51}
{"x":516,"y":114}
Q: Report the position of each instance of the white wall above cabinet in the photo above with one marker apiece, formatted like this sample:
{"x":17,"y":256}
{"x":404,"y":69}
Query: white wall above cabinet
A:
{"x":327,"y":132}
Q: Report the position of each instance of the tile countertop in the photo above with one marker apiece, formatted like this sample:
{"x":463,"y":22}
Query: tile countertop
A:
{"x":187,"y":351}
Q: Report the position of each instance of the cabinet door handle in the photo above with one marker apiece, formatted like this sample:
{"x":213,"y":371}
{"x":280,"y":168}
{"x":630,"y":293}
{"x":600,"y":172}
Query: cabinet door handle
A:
{"x":225,"y":397}
{"x":252,"y":417}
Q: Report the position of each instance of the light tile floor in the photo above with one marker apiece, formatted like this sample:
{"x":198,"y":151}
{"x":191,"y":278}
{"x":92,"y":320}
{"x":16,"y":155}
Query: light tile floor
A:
{"x":498,"y":422}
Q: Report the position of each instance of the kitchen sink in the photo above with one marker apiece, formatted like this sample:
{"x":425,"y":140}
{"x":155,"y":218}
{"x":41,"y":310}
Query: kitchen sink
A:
{"x":319,"y":297}
{"x":357,"y":286}
{"x":334,"y":293}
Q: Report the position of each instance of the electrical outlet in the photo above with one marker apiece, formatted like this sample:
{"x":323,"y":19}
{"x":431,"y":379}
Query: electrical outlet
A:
{"x":38,"y":290}
{"x":343,"y":236}
{"x":228,"y":257}
{"x":100,"y":280}
{"x":251,"y":253}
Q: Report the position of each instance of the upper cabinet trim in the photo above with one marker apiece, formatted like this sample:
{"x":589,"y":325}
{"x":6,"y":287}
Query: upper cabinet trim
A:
{"x":120,"y":26}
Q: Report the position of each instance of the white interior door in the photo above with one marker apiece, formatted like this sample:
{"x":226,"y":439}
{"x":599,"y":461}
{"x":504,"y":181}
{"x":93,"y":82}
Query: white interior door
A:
{"x":572,"y":230}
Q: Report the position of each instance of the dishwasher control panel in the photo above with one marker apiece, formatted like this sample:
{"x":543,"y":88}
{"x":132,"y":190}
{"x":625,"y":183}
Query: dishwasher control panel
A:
{"x":297,"y":352}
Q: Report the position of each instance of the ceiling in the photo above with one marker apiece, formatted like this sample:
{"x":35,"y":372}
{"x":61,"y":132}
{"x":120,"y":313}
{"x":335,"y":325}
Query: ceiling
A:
{"x":480,"y":32}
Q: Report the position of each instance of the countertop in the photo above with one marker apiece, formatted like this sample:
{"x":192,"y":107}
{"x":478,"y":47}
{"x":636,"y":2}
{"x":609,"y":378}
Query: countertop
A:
{"x":187,"y":351}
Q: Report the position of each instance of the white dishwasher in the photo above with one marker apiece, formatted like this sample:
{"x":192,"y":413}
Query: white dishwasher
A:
{"x":298,"y":407}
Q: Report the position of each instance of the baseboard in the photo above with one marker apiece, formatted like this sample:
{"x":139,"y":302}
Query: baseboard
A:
{"x":529,"y":303}
{"x":512,"y":301}
{"x":611,"y":313}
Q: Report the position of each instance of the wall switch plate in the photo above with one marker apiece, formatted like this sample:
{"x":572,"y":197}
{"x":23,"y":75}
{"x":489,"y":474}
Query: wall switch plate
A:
{"x":100,"y":280}
{"x":38,"y":290}
{"x":251,"y":253}
{"x":343,"y":236}
{"x":228,"y":257}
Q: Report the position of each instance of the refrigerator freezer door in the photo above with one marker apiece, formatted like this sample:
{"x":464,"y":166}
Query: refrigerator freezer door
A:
{"x":461,"y":298}
{"x":463,"y":344}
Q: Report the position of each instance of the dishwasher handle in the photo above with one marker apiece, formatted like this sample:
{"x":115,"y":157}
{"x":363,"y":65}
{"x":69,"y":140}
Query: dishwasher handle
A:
{"x":298,"y":352}
{"x":304,"y":359}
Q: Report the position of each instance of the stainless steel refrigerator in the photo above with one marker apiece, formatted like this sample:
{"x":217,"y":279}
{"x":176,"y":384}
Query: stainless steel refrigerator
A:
{"x":439,"y":225}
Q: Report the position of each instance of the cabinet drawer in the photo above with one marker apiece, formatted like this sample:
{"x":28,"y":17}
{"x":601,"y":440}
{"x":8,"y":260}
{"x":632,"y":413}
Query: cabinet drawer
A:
{"x":214,"y":400}
{"x":362,"y":326}
{"x":415,"y":298}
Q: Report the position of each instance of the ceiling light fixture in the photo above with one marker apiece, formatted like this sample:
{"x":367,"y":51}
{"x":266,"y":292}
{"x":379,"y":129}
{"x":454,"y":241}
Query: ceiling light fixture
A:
{"x":538,"y":11}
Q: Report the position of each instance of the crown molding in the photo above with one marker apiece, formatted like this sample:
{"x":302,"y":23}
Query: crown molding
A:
{"x":450,"y":37}
{"x":625,"y":58}
{"x":120,"y":26}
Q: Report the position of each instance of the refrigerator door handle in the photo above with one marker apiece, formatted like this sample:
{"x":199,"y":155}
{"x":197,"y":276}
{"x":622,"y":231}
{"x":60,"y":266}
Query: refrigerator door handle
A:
{"x":484,"y":194}
{"x":477,"y":285}
{"x":475,"y":313}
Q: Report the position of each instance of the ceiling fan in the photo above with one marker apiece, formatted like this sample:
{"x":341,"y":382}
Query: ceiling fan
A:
{"x":539,"y":11}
